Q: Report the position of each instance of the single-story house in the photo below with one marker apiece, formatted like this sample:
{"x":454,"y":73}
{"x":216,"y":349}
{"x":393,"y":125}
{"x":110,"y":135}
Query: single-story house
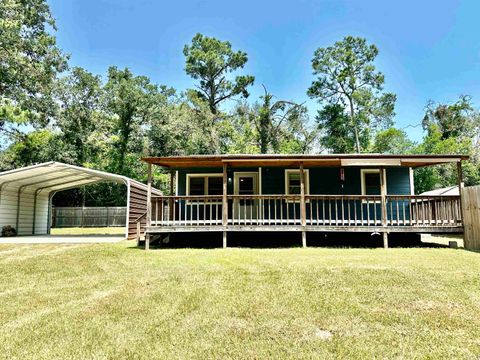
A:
{"x":304,"y":193}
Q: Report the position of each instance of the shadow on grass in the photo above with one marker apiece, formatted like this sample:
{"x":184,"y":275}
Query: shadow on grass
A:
{"x":212,"y":240}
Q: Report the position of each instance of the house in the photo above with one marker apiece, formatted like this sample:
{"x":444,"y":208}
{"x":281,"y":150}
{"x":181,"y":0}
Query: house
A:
{"x":300,"y":193}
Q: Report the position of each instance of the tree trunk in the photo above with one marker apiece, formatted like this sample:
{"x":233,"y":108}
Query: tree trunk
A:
{"x":355,"y":126}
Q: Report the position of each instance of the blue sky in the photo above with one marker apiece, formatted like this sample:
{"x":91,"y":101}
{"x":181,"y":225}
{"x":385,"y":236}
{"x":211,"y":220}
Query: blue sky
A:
{"x":428,"y":49}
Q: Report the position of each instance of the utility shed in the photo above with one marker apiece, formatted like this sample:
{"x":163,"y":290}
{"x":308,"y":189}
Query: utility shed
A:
{"x":26,"y":195}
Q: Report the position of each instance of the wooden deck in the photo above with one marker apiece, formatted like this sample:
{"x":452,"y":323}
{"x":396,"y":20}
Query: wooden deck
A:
{"x":402,"y":213}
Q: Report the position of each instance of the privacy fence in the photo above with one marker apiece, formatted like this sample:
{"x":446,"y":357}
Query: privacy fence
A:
{"x":88,"y":216}
{"x":471,"y":216}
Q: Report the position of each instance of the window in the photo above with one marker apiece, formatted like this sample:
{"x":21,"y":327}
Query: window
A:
{"x":204,"y":184}
{"x":371,"y":183}
{"x":292,"y":182}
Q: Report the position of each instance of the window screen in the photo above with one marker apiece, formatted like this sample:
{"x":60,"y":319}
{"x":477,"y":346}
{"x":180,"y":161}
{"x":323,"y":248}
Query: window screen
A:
{"x":372,"y":183}
{"x":215,"y":185}
{"x":197,"y":186}
{"x":294,"y":183}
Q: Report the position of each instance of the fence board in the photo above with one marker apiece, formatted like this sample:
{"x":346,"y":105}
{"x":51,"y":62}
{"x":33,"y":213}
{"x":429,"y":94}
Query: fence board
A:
{"x":471,"y":217}
{"x":89,"y":216}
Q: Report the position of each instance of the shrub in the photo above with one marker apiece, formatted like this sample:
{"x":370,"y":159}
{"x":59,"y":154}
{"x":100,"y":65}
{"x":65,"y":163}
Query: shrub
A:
{"x":8,"y":230}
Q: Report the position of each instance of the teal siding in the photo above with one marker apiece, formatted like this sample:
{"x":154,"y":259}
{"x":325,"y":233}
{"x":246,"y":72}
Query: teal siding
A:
{"x":324,"y":181}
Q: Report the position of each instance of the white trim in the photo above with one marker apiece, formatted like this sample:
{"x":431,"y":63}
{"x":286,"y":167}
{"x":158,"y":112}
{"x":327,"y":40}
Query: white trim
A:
{"x":176,"y":183}
{"x":412,"y":182}
{"x":204,"y":175}
{"x":236,"y":183}
{"x":370,"y":171}
{"x":260,"y":180}
{"x":254,"y":174}
{"x":294,"y":171}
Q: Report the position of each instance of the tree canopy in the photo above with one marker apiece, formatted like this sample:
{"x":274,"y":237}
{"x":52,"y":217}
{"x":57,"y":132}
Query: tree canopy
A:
{"x":346,"y":75}
{"x":109,"y":121}
{"x":30,"y":62}
{"x":210,"y":61}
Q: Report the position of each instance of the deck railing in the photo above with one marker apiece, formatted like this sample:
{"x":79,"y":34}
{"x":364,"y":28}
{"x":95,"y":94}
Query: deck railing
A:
{"x":320,"y":210}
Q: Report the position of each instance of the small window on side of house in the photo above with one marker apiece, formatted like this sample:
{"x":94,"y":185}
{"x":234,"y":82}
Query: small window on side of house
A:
{"x":292,"y":182}
{"x":371,"y":183}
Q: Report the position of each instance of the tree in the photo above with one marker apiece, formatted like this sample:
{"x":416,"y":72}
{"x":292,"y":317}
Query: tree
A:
{"x":30,"y":61}
{"x":451,"y":129}
{"x":272,"y":118}
{"x":184,"y":126}
{"x":392,"y":141}
{"x":35,"y":147}
{"x":346,"y":75}
{"x":337,"y":136}
{"x":80,"y":117}
{"x":209,"y":61}
{"x":132,"y":101}
{"x":453,"y":120}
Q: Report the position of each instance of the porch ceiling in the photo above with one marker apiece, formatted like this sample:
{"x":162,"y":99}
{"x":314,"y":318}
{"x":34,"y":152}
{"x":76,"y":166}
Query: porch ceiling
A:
{"x":283,"y":160}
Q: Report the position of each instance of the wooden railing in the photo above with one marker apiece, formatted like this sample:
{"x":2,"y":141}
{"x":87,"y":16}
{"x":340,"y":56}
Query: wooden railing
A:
{"x":418,"y":210}
{"x":320,"y":210}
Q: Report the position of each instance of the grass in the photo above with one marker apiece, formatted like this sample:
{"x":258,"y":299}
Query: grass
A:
{"x":114,"y":301}
{"x":89,"y":231}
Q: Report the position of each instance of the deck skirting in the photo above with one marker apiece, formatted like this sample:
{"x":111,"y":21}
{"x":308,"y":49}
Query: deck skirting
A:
{"x":299,"y":228}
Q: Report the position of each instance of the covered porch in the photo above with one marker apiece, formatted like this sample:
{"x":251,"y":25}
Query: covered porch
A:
{"x":241,"y":205}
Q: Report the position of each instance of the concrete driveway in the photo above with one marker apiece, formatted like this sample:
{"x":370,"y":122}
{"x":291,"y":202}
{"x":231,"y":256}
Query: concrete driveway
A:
{"x":61,"y":239}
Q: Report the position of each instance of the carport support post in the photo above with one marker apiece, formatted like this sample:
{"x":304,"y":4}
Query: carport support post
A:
{"x":303,"y":210}
{"x":224,"y":206}
{"x":149,"y":205}
{"x":383,"y":193}
{"x":460,"y":186}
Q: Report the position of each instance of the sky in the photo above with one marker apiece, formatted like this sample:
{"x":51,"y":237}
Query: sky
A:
{"x":428,"y":50}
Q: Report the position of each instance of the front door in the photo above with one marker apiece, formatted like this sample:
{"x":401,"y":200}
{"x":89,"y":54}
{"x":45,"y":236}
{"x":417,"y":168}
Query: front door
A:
{"x":245,"y":183}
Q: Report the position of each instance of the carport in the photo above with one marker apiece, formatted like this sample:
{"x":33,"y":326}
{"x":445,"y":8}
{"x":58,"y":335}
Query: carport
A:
{"x":26,"y":195}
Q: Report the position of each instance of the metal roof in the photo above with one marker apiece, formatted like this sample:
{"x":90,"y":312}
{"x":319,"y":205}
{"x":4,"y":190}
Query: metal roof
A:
{"x":56,"y":176}
{"x":450,"y":190}
{"x":410,"y":160}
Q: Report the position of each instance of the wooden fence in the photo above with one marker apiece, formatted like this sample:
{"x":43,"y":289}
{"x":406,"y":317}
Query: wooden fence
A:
{"x":471,"y":217}
{"x":88,"y":216}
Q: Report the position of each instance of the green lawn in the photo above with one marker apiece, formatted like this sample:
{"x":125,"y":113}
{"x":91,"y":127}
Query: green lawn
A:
{"x":113,"y":301}
{"x":89,"y":231}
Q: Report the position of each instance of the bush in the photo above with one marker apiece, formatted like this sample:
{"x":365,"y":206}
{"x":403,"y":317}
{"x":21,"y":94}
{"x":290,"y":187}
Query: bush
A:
{"x":8,"y":230}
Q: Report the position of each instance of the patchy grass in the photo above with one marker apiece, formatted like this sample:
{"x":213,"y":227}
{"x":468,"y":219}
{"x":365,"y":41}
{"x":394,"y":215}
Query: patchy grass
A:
{"x":115,"y":301}
{"x":89,"y":231}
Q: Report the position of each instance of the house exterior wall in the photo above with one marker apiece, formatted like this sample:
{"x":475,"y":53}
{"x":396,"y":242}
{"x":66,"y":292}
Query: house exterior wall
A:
{"x":323,"y":181}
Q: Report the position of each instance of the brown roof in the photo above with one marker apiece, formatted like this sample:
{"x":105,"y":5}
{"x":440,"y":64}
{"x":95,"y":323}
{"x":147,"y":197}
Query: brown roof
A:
{"x":307,"y":160}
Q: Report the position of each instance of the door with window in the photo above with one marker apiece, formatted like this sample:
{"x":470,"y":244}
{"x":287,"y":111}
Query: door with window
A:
{"x":245,"y":183}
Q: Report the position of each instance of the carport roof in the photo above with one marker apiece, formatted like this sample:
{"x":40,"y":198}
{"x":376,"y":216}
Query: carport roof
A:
{"x":56,"y":176}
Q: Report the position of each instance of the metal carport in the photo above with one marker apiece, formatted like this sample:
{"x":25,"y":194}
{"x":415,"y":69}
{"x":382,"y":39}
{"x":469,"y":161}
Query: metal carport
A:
{"x":26,"y":195}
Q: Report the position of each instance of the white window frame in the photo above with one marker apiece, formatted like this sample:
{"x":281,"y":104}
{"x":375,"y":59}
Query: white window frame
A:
{"x":370,"y":171}
{"x":205,"y":184}
{"x":307,"y":182}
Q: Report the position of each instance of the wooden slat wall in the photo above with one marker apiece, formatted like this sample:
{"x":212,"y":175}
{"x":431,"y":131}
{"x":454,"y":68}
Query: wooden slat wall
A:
{"x":471,"y":216}
{"x":138,"y":207}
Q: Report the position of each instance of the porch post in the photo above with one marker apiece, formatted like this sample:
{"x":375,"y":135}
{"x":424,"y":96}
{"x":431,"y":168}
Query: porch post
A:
{"x":460,"y":187}
{"x":383,"y":193}
{"x":303,"y":210}
{"x":149,"y":204}
{"x":224,"y":206}
{"x":171,"y":204}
